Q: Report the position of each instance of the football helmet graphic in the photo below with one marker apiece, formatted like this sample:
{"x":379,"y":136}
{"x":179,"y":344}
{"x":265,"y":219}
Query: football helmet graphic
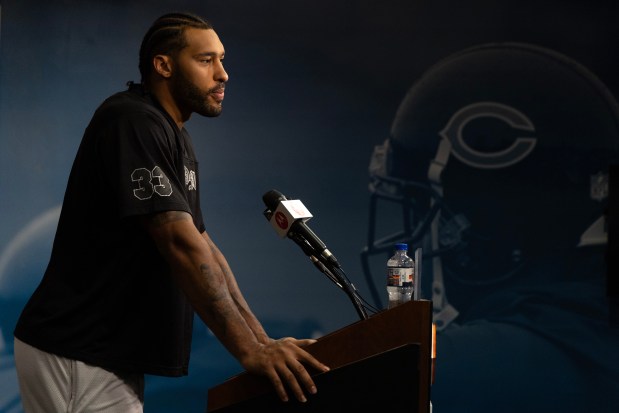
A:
{"x":497,"y":154}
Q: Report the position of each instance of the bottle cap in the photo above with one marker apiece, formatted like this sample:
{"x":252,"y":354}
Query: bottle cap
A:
{"x":401,"y":246}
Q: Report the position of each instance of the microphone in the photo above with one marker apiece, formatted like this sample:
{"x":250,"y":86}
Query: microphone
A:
{"x":288,"y":218}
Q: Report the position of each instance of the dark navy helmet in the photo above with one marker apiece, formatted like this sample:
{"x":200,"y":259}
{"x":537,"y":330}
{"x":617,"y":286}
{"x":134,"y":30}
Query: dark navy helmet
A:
{"x":496,"y":154}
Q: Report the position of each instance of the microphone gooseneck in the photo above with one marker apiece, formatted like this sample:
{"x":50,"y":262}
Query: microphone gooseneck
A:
{"x":288,"y":219}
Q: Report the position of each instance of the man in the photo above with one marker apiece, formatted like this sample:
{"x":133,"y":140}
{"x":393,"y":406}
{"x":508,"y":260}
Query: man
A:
{"x":131,"y":260}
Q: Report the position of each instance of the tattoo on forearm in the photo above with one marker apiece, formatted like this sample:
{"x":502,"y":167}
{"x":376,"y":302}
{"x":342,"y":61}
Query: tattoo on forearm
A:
{"x":220,"y":308}
{"x":216,"y":294}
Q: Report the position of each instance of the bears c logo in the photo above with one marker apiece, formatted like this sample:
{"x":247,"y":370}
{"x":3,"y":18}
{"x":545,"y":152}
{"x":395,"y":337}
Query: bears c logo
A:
{"x":519,"y":149}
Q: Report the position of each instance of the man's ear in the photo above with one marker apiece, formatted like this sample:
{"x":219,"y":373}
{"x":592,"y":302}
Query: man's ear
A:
{"x":163,"y":65}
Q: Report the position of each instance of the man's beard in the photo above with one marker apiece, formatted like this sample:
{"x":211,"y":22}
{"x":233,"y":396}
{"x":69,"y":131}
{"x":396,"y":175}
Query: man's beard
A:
{"x":190,"y":97}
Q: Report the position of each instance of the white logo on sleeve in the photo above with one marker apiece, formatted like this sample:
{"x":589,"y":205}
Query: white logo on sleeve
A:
{"x":190,"y":179}
{"x":150,"y":182}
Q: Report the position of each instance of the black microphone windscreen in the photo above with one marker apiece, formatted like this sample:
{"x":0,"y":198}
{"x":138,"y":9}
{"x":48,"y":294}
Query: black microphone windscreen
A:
{"x":272,"y":198}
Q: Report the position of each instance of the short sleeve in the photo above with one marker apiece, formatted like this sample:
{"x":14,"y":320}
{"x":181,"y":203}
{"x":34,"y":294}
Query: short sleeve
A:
{"x":142,"y":162}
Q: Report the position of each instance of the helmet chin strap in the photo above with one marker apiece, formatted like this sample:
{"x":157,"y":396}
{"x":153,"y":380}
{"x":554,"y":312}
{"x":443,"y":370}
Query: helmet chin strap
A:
{"x":443,"y":312}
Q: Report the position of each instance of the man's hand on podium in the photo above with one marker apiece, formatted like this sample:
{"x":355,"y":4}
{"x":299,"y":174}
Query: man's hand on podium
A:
{"x":284,"y":362}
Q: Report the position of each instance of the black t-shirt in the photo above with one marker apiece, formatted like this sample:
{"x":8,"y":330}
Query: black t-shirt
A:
{"x":107,"y":297}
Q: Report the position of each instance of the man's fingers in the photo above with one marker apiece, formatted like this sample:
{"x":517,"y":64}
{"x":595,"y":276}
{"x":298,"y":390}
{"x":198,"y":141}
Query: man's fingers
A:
{"x":304,"y":342}
{"x":292,"y":376}
{"x":304,"y":377}
{"x":307,"y":359}
{"x":278,"y":385}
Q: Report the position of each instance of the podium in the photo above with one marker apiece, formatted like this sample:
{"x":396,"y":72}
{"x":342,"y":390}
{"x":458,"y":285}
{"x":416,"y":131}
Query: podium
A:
{"x":382,"y":362}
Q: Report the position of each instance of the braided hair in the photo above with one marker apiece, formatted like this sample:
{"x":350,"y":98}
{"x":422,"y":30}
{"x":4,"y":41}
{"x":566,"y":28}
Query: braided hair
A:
{"x":166,"y":36}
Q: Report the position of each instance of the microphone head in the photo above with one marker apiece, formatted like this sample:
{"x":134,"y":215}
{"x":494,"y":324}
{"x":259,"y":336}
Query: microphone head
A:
{"x":272,"y":198}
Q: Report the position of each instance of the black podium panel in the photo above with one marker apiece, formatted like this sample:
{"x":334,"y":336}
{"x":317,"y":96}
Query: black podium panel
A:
{"x":383,"y":382}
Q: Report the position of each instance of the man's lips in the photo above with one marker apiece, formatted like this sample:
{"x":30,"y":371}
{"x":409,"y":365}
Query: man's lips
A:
{"x":218,"y":95}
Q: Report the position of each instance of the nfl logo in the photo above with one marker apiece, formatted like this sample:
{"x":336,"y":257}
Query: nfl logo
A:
{"x":599,"y":186}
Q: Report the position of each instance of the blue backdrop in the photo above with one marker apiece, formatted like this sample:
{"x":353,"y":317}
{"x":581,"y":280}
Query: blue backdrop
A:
{"x":314,"y":86}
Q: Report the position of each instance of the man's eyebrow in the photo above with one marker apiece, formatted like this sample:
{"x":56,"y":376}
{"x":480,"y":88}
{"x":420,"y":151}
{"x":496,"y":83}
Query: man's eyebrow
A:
{"x":209,"y":54}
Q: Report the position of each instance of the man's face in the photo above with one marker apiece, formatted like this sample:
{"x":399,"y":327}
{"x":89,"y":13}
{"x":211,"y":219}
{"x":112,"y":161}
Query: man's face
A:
{"x":198,"y":79}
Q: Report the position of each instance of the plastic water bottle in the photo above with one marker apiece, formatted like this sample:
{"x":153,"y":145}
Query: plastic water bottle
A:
{"x":400,"y":276}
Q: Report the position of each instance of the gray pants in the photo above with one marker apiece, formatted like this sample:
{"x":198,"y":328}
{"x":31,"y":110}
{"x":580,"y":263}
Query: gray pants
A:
{"x":49,"y":383}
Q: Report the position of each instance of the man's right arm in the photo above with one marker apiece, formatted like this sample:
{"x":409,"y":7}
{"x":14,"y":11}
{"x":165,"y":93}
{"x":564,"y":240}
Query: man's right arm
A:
{"x":195,"y":265}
